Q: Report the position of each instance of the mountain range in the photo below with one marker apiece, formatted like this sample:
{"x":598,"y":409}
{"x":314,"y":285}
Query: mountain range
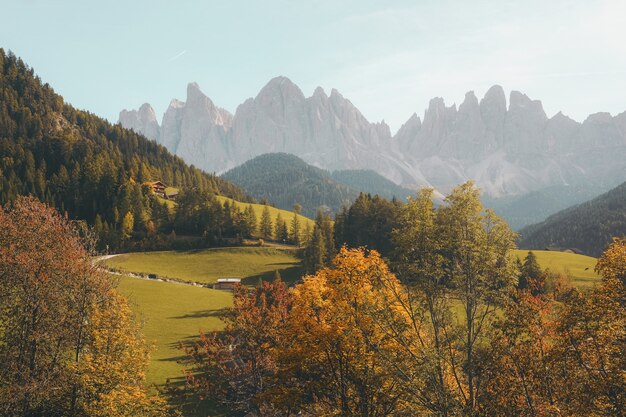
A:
{"x":510,"y":149}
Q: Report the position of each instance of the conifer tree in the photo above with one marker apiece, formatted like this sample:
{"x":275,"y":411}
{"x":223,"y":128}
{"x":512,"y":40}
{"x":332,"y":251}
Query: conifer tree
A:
{"x":531,"y":275}
{"x":250,"y":221}
{"x":265,"y":227}
{"x":295,"y":225}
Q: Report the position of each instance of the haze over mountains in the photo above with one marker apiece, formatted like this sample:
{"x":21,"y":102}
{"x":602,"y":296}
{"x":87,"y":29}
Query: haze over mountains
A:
{"x":509,"y":148}
{"x":588,"y":227}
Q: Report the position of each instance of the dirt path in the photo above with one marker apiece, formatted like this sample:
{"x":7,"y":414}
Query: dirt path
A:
{"x":104,"y":268}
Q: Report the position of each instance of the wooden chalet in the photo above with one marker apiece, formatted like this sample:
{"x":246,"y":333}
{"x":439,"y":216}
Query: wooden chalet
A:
{"x":158,"y":188}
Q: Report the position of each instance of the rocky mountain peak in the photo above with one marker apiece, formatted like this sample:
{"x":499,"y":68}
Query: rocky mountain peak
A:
{"x":495,"y":97}
{"x":196,"y":96}
{"x":520,"y":102}
{"x":146,"y":112}
{"x":281,"y":87}
{"x":141,"y":121}
{"x":408,"y":132}
{"x":176,"y":104}
{"x":600,"y":117}
{"x":320,"y":93}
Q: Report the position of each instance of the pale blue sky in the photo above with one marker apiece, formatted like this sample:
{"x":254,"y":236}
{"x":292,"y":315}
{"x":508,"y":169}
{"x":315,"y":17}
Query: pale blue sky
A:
{"x":388,"y":57}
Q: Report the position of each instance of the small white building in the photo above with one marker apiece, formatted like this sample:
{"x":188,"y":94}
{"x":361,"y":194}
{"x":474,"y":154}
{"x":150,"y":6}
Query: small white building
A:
{"x":226,"y":283}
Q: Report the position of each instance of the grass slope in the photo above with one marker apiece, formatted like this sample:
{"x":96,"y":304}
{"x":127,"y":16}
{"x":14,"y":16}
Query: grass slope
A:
{"x":579,"y":267}
{"x":258,"y":210}
{"x":172,"y":313}
{"x":207,"y":265}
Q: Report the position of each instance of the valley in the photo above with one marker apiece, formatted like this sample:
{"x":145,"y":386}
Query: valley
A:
{"x":172,"y":314}
{"x":292,"y":257}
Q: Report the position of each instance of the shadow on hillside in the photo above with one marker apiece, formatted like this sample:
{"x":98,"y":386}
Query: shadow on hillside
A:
{"x":290,"y":275}
{"x":203,"y":314}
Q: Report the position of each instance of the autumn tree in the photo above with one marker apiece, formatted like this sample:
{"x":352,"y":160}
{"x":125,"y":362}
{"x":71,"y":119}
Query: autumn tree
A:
{"x":456,"y":252}
{"x":128,"y":223}
{"x":549,"y":358}
{"x":591,"y":343}
{"x":419,"y":258}
{"x":338,"y":358}
{"x":237,"y":367}
{"x":51,"y":301}
{"x":517,"y":367}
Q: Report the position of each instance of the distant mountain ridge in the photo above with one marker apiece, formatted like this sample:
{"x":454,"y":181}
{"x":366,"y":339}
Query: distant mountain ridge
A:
{"x":588,"y":226}
{"x":509,"y":149}
{"x":284,"y":180}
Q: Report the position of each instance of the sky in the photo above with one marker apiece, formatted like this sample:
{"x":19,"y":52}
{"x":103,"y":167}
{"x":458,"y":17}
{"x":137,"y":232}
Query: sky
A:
{"x":388,"y":57}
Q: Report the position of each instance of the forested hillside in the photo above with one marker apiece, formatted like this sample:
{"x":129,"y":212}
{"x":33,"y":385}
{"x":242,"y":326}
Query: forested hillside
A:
{"x":83,"y":165}
{"x":371,"y":182}
{"x":588,"y":226}
{"x":285,"y":180}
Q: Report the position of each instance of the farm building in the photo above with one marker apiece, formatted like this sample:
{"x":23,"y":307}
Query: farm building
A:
{"x":158,"y":188}
{"x":226,"y":283}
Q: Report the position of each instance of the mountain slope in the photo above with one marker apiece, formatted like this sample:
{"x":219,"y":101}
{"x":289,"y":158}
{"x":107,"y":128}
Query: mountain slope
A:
{"x":370,"y":182}
{"x":588,"y":226}
{"x":285,"y":180}
{"x":536,"y":206}
{"x":80,"y":163}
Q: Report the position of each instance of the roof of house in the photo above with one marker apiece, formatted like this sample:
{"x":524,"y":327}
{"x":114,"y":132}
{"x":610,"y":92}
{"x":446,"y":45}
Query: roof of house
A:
{"x":153,"y":183}
{"x":220,"y":280}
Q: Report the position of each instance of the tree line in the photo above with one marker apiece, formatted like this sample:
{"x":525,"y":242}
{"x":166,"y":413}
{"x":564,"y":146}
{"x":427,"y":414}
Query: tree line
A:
{"x":439,"y":328}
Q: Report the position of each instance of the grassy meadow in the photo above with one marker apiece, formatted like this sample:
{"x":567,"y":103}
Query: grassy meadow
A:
{"x":172,"y":313}
{"x":579,"y":267}
{"x":207,"y":265}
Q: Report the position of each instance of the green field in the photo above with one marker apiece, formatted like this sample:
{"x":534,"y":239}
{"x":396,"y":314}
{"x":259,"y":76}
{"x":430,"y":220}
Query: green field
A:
{"x":258,"y":210}
{"x":172,"y":313}
{"x":207,"y":265}
{"x":579,"y":267}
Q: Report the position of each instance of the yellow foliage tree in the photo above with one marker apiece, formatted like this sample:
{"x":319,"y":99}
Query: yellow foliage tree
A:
{"x":112,"y":369}
{"x":341,"y":354}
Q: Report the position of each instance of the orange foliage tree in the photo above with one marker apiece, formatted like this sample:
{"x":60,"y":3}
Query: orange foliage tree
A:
{"x":59,"y":318}
{"x":236,"y":367}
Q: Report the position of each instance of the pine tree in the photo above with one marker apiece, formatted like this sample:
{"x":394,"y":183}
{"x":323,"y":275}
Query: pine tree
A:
{"x":250,"y":221}
{"x":265,"y":228}
{"x":281,"y":229}
{"x":531,"y":275}
{"x":315,"y":253}
{"x":277,"y":228}
{"x":295,"y":225}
